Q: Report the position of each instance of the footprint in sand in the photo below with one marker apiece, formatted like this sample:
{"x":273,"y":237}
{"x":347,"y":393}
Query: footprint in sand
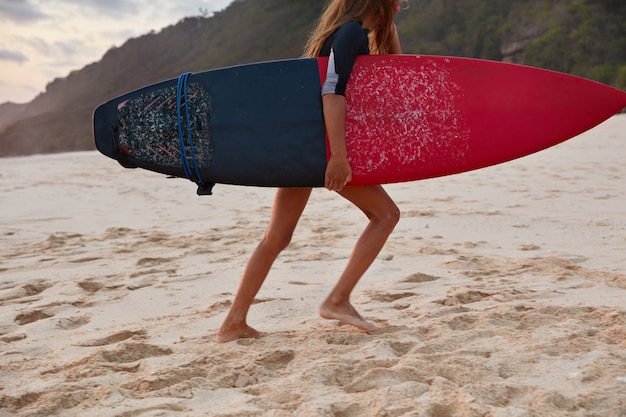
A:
{"x":400,"y":348}
{"x":374,"y":378}
{"x":385,"y":297}
{"x":275,"y":360}
{"x":462,"y":322}
{"x":346,"y":338}
{"x":116,"y":233}
{"x":10,"y":338}
{"x":70,"y":323}
{"x":217,"y":308}
{"x":154,"y":261}
{"x":435,"y":249}
{"x":85,"y":260}
{"x":468,"y":297}
{"x":529,"y":247}
{"x":28,"y":289}
{"x":132,"y":352}
{"x":114,"y":338}
{"x":302,"y":283}
{"x":419,"y":277}
{"x":223,"y":305}
{"x":32,"y":316}
{"x":419,"y":213}
{"x":91,"y":286}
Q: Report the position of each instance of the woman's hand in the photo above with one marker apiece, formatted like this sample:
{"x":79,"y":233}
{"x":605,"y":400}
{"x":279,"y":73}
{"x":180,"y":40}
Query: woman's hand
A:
{"x":338,"y":173}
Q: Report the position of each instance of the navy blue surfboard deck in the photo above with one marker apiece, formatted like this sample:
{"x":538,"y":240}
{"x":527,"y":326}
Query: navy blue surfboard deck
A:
{"x":258,"y":125}
{"x":408,"y":118}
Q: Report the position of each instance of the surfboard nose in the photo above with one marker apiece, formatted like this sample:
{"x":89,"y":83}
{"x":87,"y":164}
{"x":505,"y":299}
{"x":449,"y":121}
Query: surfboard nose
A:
{"x":104,"y":126}
{"x":105,"y":132}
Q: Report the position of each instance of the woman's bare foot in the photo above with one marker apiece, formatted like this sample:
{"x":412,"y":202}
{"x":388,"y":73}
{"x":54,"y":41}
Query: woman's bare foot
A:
{"x":228,"y":333}
{"x":346,"y":314}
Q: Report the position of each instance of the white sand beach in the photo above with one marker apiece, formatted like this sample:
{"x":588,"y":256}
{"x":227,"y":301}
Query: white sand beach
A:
{"x":501,"y":293}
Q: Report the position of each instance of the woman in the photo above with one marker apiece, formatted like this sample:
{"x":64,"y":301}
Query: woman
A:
{"x":346,"y":29}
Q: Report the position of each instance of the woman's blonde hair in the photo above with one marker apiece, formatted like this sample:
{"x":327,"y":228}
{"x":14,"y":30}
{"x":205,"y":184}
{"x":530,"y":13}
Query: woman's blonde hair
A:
{"x":339,"y":12}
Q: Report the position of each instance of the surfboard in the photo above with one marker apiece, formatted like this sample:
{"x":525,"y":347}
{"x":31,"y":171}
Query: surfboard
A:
{"x":409,"y":117}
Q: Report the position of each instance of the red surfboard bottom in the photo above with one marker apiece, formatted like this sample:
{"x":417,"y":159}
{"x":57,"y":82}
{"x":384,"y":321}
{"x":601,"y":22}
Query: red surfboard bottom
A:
{"x":416,"y":117}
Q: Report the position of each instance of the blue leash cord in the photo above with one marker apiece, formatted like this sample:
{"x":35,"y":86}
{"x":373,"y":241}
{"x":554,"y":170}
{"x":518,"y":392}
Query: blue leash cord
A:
{"x":181,"y":99}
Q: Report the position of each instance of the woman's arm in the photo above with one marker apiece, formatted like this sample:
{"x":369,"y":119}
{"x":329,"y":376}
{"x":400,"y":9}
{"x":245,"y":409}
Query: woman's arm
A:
{"x":395,"y":41}
{"x":338,"y":171}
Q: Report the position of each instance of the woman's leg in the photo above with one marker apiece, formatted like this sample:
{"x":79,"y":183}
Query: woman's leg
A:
{"x":288,"y":206}
{"x":383,"y":215}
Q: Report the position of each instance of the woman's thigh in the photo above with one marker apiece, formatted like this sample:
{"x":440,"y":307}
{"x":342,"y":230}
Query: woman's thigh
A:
{"x":289,"y":203}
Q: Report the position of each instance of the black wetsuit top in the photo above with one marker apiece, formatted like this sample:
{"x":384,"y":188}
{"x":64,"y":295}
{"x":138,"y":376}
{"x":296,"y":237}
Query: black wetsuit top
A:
{"x":342,"y":48}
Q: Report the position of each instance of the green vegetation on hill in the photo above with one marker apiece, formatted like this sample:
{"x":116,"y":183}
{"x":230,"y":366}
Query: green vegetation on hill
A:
{"x":589,"y":40}
{"x":581,"y":37}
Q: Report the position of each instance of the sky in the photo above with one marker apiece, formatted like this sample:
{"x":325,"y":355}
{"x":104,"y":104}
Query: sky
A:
{"x":41,"y":40}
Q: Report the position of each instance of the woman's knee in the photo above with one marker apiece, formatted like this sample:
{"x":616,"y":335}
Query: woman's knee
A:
{"x":277,"y":242}
{"x":387,"y":217}
{"x":391,"y":216}
{"x":288,"y":206}
{"x":396,"y":215}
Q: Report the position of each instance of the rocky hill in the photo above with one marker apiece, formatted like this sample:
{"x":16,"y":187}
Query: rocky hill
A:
{"x":582,"y":37}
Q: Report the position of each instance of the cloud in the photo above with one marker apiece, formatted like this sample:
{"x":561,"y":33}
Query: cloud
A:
{"x":65,"y":49}
{"x":15,"y":56}
{"x":107,"y":7}
{"x":195,"y":8}
{"x":38,"y":44}
{"x":20,"y":11}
